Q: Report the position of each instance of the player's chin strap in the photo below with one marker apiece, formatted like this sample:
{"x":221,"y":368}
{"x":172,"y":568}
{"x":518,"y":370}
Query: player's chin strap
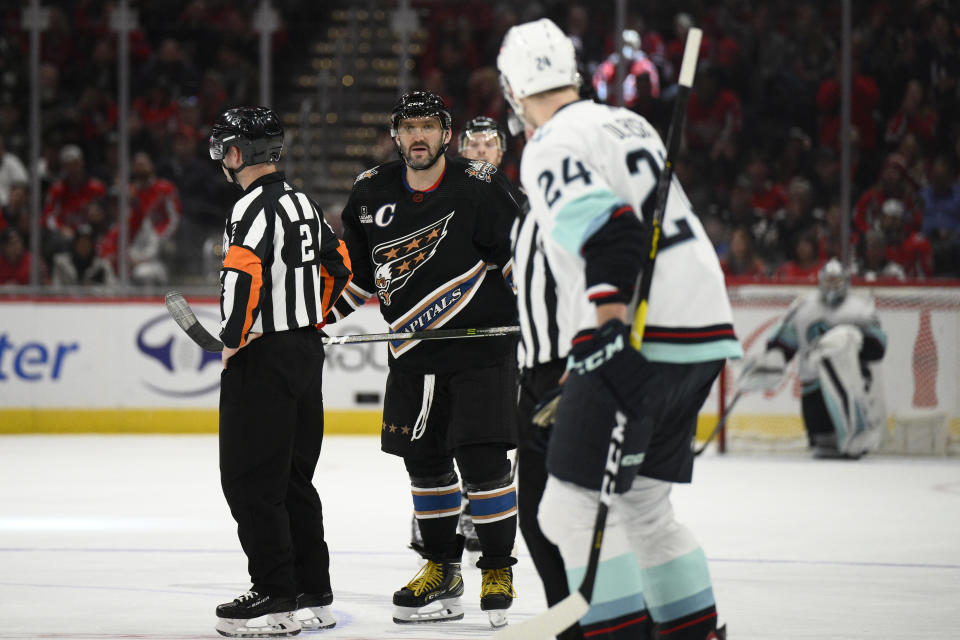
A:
{"x":420,"y":427}
{"x":233,"y":172}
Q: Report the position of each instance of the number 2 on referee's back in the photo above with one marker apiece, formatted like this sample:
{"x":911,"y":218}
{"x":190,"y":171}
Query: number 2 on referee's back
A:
{"x":307,"y":253}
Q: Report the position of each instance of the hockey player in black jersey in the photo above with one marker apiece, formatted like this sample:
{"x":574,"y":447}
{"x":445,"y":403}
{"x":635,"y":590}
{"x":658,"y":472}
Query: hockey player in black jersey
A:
{"x":429,"y":237}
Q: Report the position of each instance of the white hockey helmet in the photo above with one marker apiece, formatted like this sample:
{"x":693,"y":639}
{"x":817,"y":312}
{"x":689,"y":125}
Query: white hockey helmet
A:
{"x":833,"y":281}
{"x":535,"y":57}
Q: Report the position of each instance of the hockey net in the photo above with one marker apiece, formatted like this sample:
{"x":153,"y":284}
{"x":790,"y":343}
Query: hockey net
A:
{"x":920,"y":373}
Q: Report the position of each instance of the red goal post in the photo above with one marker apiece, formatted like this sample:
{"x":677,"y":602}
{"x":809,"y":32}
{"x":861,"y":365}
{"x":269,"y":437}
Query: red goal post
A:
{"x":920,"y":374}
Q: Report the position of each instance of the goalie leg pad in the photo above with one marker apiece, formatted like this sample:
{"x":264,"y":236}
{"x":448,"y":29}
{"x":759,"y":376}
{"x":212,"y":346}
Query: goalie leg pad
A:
{"x":844,"y":391}
{"x":618,"y":608}
{"x":673,"y":567}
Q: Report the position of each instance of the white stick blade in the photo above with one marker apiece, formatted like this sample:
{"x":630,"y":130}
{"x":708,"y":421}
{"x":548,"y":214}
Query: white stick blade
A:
{"x":690,"y":53}
{"x":180,"y":310}
{"x":549,"y":623}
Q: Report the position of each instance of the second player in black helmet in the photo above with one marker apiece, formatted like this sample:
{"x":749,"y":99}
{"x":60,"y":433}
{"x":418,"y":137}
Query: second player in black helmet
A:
{"x":483,"y":139}
{"x":428,"y":236}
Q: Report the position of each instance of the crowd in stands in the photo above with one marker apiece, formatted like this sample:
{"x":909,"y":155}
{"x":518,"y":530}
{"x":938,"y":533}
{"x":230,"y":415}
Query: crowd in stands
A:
{"x":189,"y":59}
{"x":761,"y":152}
{"x":761,"y":149}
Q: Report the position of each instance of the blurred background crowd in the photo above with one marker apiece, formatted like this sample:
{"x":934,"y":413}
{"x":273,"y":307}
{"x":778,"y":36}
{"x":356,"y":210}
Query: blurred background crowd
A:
{"x":760,"y":161}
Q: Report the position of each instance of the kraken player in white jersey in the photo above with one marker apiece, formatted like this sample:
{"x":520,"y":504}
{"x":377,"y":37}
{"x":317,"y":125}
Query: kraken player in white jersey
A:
{"x":834,"y":335}
{"x":590,"y":171}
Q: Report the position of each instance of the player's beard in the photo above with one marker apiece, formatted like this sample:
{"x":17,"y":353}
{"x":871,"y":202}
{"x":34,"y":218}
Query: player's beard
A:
{"x":424,"y":160}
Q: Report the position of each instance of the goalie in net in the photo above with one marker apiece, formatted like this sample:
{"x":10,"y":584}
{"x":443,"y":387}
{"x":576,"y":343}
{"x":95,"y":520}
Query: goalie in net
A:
{"x":836,"y":336}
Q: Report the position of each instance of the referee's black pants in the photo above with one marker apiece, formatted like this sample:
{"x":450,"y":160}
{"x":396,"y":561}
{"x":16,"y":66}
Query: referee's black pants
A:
{"x":531,"y":480}
{"x":271,"y":430}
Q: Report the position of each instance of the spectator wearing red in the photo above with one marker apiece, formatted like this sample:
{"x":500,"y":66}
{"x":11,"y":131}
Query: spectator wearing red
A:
{"x":155,"y":213}
{"x":714,"y":118}
{"x":741,"y":259}
{"x":766,"y":196}
{"x":864,"y":98}
{"x":910,"y":249}
{"x":14,"y":258}
{"x":641,"y":73}
{"x":68,"y":197}
{"x":893,"y":183}
{"x":157,"y":110}
{"x":777,"y":240}
{"x":875,"y":266}
{"x":914,"y":116}
{"x":806,"y":262}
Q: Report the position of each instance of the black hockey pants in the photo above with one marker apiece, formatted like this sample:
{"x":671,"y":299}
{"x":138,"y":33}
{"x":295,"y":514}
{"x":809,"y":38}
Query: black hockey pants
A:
{"x":271,"y":430}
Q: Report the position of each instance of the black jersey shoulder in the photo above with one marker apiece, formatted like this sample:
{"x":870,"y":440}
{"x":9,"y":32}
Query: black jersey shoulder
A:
{"x":464,"y":170}
{"x":380,"y":176}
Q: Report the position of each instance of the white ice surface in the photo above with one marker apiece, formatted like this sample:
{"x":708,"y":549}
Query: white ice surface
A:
{"x":129,"y":537}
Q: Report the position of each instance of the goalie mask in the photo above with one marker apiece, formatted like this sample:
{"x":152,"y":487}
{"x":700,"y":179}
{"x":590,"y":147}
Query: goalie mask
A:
{"x":255,"y":131}
{"x":834,"y":282}
{"x":421,"y":104}
{"x":535,"y":57}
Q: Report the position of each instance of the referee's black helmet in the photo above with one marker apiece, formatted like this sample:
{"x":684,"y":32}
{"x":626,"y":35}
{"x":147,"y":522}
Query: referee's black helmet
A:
{"x":255,"y":131}
{"x":420,"y":104}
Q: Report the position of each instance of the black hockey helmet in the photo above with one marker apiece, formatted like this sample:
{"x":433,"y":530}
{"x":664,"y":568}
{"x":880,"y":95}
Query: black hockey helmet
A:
{"x":482,"y":125}
{"x":255,"y":131}
{"x":420,"y":104}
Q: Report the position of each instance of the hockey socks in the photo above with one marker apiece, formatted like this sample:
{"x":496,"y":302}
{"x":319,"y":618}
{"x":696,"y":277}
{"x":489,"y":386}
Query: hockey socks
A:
{"x":700,"y":625}
{"x":436,"y":505}
{"x":493,"y":506}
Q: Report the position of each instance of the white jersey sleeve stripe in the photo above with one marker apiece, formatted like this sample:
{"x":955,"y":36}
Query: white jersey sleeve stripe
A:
{"x":581,"y":218}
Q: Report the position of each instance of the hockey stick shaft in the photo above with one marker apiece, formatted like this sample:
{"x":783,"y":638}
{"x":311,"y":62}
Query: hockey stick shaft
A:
{"x":184,"y":316}
{"x":434,"y":334}
{"x":674,"y":136}
{"x":720,"y":424}
{"x":569,"y":610}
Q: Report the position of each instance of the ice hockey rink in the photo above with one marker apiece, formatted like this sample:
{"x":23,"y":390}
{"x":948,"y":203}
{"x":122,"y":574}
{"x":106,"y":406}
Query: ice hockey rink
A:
{"x":129,"y":537}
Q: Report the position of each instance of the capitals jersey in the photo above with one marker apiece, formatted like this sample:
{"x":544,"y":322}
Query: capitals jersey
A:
{"x":808,"y":318}
{"x":434,"y":258}
{"x":579,"y":168}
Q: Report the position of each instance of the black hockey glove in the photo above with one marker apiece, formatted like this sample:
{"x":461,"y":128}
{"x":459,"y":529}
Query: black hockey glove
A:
{"x":607,"y":353}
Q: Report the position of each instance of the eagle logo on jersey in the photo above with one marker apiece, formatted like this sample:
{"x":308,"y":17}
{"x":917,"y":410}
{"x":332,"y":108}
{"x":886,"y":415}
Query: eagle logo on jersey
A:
{"x":397,"y":259}
{"x":369,"y":173}
{"x":481,"y":170}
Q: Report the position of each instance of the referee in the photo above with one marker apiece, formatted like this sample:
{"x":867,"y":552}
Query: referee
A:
{"x":283,"y":269}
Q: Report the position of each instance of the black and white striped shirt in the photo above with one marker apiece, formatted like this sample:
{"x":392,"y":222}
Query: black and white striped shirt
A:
{"x":540,"y":339}
{"x":284,"y":266}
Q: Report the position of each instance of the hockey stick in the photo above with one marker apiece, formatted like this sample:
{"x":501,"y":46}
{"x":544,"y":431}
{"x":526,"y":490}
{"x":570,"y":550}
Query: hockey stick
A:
{"x":569,"y":610}
{"x":180,"y":311}
{"x":722,"y":421}
{"x":433,"y":334}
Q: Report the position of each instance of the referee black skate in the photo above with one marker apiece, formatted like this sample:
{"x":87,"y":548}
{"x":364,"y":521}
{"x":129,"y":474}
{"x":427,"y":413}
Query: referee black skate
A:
{"x":283,"y":269}
{"x":429,"y":237}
